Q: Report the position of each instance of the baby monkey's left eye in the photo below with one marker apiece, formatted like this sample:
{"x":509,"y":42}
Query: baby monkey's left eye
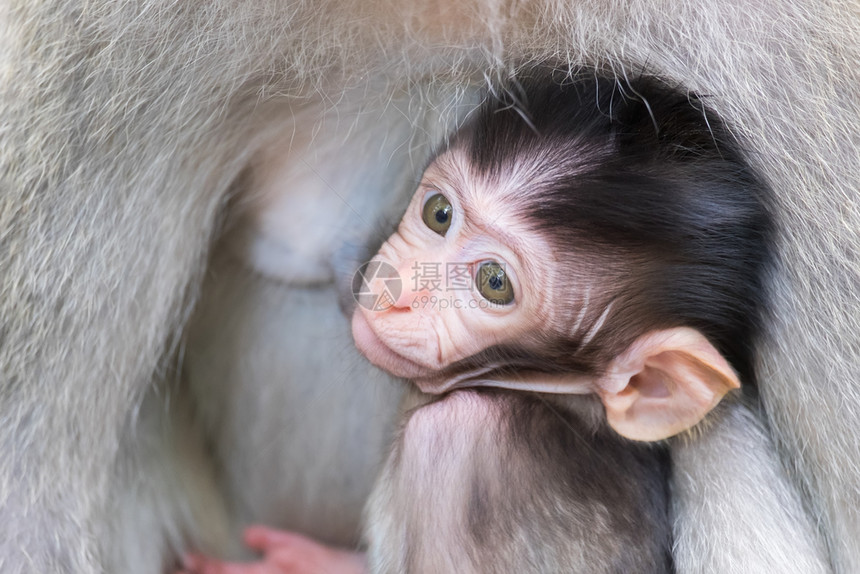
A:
{"x":437,"y":213}
{"x":493,"y":283}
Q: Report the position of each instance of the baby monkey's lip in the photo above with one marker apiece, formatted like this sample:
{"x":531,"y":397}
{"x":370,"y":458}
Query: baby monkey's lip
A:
{"x":380,"y":354}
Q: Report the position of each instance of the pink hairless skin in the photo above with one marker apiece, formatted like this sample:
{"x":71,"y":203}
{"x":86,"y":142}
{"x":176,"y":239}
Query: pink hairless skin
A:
{"x":282,"y":553}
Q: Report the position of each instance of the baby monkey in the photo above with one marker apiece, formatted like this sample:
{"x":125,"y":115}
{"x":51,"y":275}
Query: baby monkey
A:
{"x":601,"y":247}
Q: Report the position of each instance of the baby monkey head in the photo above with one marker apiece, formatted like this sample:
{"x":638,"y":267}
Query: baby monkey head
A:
{"x":581,"y":235}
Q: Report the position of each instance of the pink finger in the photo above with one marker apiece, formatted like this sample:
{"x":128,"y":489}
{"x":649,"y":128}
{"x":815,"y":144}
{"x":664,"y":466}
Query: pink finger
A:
{"x":197,"y":564}
{"x":263,"y":538}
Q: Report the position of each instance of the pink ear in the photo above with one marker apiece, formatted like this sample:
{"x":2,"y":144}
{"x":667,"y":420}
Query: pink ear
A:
{"x":664,"y":383}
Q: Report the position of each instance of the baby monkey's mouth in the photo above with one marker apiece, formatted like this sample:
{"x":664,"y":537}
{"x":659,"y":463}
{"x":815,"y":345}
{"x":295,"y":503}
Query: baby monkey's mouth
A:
{"x":381,"y":354}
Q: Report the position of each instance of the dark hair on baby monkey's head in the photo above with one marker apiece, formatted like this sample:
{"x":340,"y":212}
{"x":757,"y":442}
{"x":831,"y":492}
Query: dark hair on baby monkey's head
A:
{"x":642,"y":175}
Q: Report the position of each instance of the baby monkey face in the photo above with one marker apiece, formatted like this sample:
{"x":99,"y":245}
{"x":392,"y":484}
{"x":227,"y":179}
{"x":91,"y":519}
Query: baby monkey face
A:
{"x":474,"y":276}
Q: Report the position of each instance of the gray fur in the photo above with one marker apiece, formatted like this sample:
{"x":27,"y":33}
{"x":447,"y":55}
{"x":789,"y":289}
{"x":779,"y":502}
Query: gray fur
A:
{"x":125,"y":125}
{"x":735,"y":509}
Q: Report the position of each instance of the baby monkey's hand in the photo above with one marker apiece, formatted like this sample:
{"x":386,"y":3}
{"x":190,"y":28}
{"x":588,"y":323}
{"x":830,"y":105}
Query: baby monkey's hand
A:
{"x":283,"y":553}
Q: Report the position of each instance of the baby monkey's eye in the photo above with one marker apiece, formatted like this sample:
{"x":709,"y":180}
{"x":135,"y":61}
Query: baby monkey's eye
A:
{"x":437,"y":213}
{"x":493,"y":283}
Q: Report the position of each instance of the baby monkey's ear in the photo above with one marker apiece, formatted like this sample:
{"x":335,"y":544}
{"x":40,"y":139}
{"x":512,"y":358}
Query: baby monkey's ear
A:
{"x":664,"y":383}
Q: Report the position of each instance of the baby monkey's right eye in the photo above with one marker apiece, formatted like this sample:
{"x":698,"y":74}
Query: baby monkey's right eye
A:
{"x":437,"y":213}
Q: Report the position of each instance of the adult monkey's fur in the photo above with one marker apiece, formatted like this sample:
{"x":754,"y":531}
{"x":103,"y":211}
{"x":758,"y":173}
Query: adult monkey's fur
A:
{"x":124,"y":125}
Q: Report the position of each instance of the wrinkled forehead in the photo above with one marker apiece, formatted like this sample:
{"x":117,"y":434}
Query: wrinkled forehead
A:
{"x":507,"y":188}
{"x":513,"y":195}
{"x":527,"y":166}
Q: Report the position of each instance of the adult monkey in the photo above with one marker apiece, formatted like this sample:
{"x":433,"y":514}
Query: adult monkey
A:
{"x":124,"y":127}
